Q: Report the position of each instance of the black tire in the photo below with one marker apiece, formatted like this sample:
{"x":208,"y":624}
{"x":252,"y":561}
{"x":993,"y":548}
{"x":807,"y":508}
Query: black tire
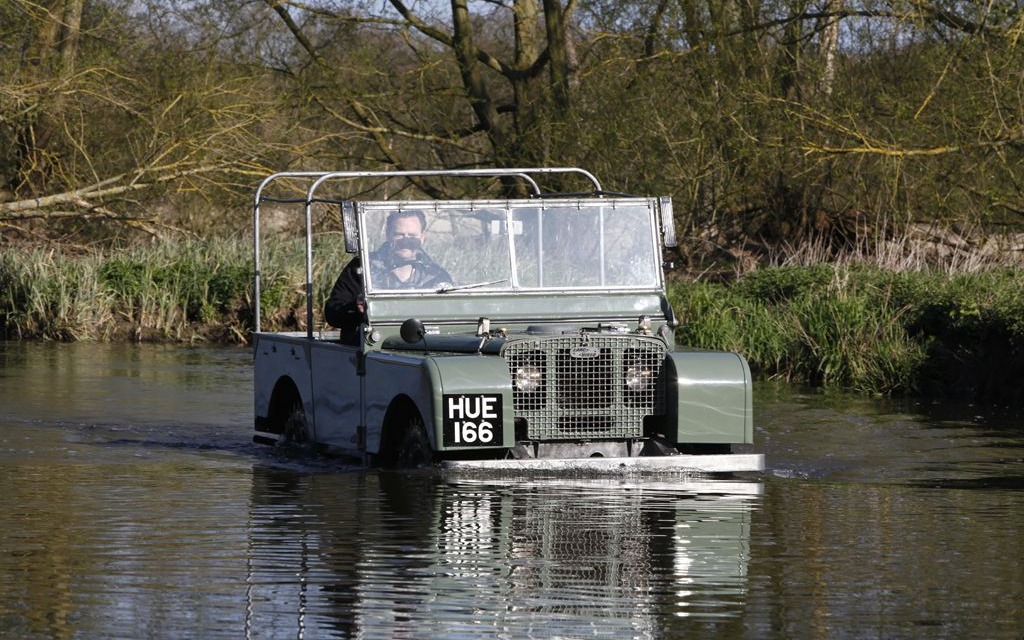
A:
{"x":295,"y":429}
{"x":413,"y":446}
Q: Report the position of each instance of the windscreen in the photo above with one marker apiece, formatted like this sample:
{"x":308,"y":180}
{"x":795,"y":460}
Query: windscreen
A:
{"x":509,"y":245}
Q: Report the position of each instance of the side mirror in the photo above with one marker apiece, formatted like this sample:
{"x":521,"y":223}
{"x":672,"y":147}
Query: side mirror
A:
{"x":668,"y":223}
{"x":412,"y":330}
{"x":350,"y":226}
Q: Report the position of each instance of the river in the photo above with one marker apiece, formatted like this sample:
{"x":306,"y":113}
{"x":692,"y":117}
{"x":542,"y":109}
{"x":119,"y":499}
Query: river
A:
{"x":134,"y":505}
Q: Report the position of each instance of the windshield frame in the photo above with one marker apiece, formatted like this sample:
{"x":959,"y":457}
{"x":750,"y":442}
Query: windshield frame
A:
{"x":512,"y":214}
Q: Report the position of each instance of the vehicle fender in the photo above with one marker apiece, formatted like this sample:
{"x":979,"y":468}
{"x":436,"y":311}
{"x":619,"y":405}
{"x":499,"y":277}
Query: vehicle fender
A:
{"x":425,"y":382}
{"x":711,"y":393}
{"x":277,"y":359}
{"x":458,"y":379}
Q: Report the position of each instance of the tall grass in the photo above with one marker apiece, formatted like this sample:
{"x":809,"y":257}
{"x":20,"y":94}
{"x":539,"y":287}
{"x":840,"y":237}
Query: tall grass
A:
{"x":921,"y":248}
{"x":44,"y":295}
{"x":186,"y":291}
{"x":866,"y":328}
{"x":854,"y":323}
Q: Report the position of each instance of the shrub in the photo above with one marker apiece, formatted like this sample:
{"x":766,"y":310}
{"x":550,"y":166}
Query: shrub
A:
{"x":866,"y":328}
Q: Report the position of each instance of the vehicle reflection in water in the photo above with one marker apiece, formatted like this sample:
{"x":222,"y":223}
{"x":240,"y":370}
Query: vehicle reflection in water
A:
{"x":417,"y":555}
{"x":132,"y":505}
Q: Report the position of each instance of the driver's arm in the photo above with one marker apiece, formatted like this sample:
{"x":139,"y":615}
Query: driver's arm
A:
{"x":346,"y":307}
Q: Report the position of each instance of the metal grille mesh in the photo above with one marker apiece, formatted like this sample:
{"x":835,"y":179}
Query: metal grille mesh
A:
{"x":574,"y":387}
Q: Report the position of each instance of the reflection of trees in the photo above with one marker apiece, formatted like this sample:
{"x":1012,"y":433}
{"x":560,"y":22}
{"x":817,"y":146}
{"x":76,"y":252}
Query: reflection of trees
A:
{"x":598,"y":246}
{"x":415,"y":555}
{"x":472,"y":245}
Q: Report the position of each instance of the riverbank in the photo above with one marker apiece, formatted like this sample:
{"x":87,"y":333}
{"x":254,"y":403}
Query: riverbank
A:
{"x":195,"y":291}
{"x":866,"y":328}
{"x":848,"y":324}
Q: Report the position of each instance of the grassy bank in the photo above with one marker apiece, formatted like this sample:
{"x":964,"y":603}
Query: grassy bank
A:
{"x":850,"y":325}
{"x":185,"y":292}
{"x":867,"y":328}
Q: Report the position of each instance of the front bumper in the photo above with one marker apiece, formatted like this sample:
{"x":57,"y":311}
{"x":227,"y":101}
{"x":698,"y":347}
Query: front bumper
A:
{"x":689,"y":464}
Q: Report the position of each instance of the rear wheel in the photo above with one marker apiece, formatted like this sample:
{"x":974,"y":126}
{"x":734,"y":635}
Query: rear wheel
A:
{"x":295,"y":429}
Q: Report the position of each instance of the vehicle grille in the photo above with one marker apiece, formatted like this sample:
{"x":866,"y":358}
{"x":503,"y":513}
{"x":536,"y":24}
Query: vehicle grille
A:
{"x":575,"y":386}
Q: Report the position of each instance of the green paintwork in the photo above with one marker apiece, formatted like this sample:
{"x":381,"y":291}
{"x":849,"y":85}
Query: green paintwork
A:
{"x":561,"y":323}
{"x":514,"y":310}
{"x":471,"y":374}
{"x":712,"y":397}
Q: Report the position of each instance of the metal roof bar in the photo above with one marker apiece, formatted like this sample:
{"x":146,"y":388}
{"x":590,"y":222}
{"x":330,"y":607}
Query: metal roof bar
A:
{"x":320,"y":177}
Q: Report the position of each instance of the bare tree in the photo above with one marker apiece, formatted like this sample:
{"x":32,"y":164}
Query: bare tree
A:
{"x":766,"y":117}
{"x":101,"y":135}
{"x":50,"y":63}
{"x":498,"y":77}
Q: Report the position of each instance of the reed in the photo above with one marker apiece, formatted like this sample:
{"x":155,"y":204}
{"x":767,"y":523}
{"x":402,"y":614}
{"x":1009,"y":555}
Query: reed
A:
{"x":184,"y":292}
{"x":928,"y":248}
{"x":867,"y":328}
{"x":855,"y":324}
{"x":42,"y":295}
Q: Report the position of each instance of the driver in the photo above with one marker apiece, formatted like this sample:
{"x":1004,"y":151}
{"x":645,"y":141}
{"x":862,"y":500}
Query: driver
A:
{"x":399,"y":263}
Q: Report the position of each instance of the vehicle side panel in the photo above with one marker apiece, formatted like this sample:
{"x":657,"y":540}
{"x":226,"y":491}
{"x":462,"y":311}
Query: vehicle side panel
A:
{"x":712,"y":396}
{"x":336,"y":391}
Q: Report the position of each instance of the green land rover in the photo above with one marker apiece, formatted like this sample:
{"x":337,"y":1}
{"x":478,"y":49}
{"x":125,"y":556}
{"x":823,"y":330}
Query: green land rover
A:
{"x":498,"y":333}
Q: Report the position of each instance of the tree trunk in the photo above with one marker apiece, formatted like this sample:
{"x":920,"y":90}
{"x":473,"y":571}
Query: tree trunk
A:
{"x":527,"y":49}
{"x":560,"y":54}
{"x":51,"y":60}
{"x":71,"y":30}
{"x":829,"y":45}
{"x":472,"y":80}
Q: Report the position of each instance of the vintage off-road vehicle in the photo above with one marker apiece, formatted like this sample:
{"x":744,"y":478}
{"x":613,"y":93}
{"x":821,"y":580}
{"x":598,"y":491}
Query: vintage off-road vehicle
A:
{"x":549,"y":342}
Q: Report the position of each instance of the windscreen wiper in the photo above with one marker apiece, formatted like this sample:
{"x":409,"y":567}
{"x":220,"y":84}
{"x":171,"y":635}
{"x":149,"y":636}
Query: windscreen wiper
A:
{"x":452,"y":287}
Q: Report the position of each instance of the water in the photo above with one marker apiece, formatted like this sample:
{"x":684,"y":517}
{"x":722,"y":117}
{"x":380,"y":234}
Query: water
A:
{"x":134,"y":505}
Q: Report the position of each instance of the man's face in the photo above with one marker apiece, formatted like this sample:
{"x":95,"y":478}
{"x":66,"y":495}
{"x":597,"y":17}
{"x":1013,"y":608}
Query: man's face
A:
{"x":406,"y":237}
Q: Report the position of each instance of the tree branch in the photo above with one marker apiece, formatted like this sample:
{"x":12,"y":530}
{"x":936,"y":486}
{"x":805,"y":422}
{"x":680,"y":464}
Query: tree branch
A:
{"x":117,"y":185}
{"x":279,"y":7}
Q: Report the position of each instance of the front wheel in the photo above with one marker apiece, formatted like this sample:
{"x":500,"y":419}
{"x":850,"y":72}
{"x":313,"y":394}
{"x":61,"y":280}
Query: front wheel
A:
{"x":414,"y":447}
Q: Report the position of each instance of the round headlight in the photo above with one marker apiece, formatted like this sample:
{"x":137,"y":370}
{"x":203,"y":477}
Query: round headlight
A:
{"x":527,"y":379}
{"x":639,"y":379}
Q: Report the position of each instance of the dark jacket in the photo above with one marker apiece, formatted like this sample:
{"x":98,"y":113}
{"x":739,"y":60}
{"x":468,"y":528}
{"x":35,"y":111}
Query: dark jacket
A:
{"x":342,"y":307}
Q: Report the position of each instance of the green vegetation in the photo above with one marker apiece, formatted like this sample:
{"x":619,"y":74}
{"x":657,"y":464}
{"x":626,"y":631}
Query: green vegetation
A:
{"x":867,"y":328}
{"x":849,"y":325}
{"x":188,"y":291}
{"x":765,"y":121}
{"x":782,"y":131}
